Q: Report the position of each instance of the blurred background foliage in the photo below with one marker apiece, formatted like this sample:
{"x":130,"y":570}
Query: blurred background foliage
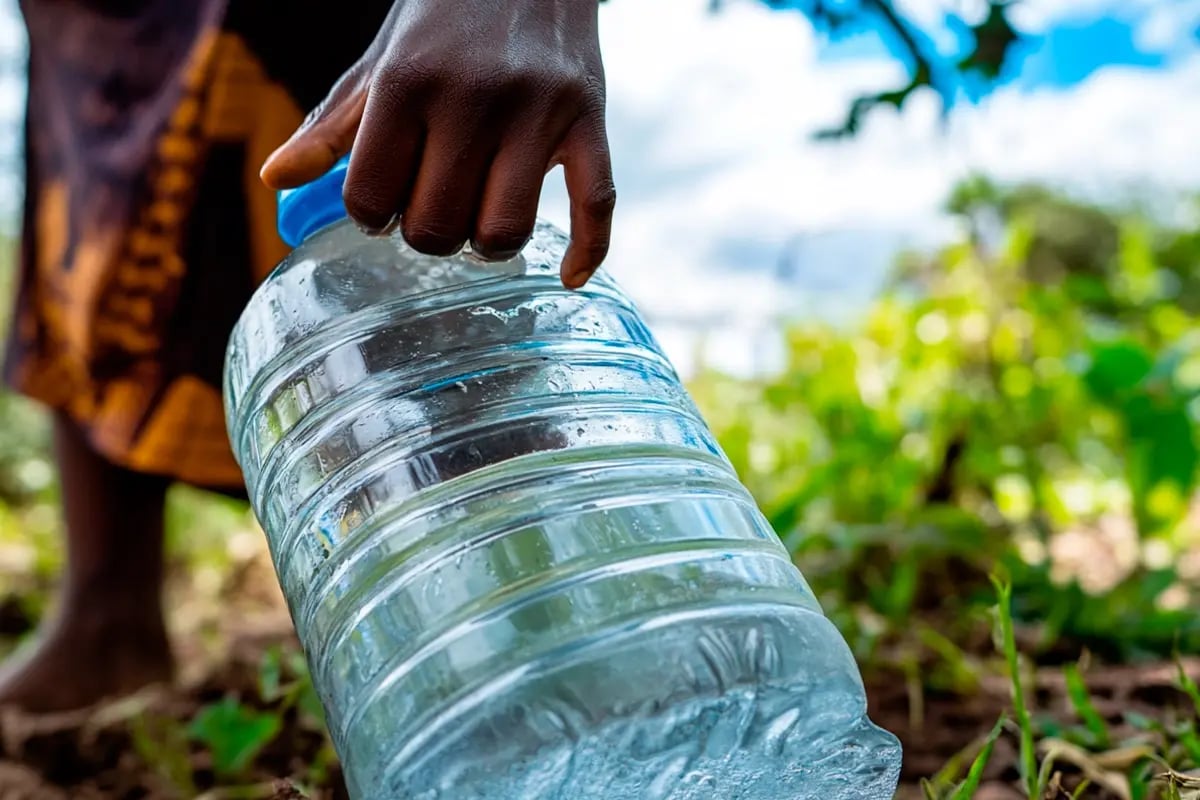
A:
{"x":1026,"y":399}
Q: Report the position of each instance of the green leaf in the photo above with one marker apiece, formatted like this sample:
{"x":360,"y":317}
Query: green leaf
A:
{"x":966,"y":790}
{"x":1141,"y":781}
{"x":1081,"y":699}
{"x":1191,"y":743}
{"x":1116,"y":369}
{"x":902,"y":589}
{"x":1188,"y":685}
{"x":1163,"y":459}
{"x":234,"y":734}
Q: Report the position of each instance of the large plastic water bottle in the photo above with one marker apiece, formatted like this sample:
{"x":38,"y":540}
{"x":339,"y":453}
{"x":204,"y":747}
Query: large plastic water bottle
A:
{"x":519,"y":564}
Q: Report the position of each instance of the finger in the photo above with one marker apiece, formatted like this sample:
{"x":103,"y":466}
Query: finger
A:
{"x":585,"y":158}
{"x":440,"y":215}
{"x":387,"y":153}
{"x":508,"y":209}
{"x":325,"y":135}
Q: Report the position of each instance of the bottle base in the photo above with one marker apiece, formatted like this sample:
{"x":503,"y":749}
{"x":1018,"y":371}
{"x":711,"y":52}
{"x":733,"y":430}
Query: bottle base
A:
{"x":764,"y":704}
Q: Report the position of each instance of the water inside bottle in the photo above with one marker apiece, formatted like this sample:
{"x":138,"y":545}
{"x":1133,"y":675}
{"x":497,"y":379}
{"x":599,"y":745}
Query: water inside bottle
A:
{"x":517,"y":559}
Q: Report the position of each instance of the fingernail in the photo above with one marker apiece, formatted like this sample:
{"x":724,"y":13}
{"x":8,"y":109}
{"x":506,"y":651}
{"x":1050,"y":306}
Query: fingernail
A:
{"x":386,"y":230}
{"x":473,"y":250}
{"x":579,"y":278}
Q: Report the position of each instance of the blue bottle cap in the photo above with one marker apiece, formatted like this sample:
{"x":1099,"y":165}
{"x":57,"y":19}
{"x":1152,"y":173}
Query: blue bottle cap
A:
{"x":306,"y":209}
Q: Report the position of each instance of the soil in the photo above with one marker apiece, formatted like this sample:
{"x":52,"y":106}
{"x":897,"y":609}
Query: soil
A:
{"x":108,"y":753}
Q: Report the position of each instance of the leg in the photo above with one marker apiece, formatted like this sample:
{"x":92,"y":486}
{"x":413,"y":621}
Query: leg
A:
{"x":108,"y":637}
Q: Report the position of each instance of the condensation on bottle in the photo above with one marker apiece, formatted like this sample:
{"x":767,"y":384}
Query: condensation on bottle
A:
{"x":518,"y":562}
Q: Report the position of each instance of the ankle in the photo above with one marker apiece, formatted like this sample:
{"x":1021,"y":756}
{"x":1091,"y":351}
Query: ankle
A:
{"x":102,"y":614}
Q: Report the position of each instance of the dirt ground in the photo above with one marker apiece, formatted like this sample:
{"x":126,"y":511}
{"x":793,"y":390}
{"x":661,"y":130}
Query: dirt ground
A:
{"x":953,"y":724}
{"x":137,"y":749}
{"x":92,"y":756}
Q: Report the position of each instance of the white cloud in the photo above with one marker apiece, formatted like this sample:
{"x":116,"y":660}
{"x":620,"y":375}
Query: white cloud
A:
{"x":1167,"y":27}
{"x":709,"y":124}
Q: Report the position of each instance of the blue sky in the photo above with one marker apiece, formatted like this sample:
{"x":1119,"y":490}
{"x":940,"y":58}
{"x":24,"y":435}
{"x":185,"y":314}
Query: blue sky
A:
{"x":1062,"y":51}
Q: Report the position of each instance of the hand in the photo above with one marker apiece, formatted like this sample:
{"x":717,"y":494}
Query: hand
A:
{"x":455,"y":113}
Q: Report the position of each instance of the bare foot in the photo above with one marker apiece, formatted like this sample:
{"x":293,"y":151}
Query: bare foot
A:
{"x":81,"y":662}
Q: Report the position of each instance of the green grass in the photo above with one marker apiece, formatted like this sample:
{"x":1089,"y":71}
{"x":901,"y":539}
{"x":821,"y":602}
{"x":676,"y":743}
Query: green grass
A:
{"x":1035,"y":780}
{"x":1156,"y":763}
{"x":1085,"y":709}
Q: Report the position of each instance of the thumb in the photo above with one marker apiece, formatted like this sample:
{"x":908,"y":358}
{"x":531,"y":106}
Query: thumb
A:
{"x":325,"y":135}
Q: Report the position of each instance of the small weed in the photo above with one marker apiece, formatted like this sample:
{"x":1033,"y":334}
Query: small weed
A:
{"x":1188,"y":686}
{"x":284,"y":680}
{"x":968,"y":787}
{"x":161,"y":742}
{"x":234,"y":734}
{"x":1081,"y":701}
{"x":1035,"y":784}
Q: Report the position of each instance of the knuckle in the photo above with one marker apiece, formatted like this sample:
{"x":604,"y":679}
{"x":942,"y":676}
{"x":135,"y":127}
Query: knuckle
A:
{"x":317,"y":113}
{"x":547,"y":81}
{"x":550,"y":81}
{"x":480,"y":82}
{"x":484,"y":79}
{"x":586,"y":90}
{"x":398,"y":80}
{"x":532,"y":78}
{"x":572,"y":87}
{"x":416,"y":71}
{"x":600,"y":202}
{"x":490,"y":86}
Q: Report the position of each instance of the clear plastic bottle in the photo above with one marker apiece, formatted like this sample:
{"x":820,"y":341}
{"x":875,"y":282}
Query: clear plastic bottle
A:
{"x":519,"y":563}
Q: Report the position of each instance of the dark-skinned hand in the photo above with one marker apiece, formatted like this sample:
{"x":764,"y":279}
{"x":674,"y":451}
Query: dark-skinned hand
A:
{"x":454,"y":115}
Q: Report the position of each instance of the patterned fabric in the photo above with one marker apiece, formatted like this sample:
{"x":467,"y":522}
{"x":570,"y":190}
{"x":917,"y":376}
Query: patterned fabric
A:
{"x":146,"y":227}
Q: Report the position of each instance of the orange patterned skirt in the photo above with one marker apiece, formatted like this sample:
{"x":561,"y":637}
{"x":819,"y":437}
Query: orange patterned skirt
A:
{"x":146,"y":227}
